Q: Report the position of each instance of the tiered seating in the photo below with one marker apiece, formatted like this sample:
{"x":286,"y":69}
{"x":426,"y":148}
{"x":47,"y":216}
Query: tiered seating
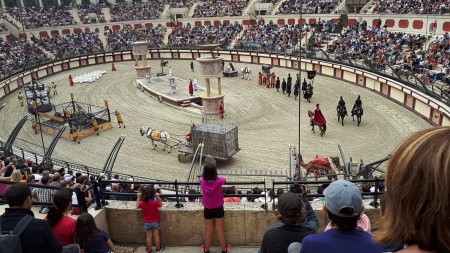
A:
{"x":18,"y":55}
{"x":308,"y":7}
{"x":122,"y":40}
{"x":270,"y":37}
{"x":63,"y":46}
{"x":411,"y":7}
{"x":218,"y":8}
{"x":192,"y":36}
{"x":34,"y":17}
{"x":84,"y":10}
{"x":137,"y":11}
{"x":179,"y":4}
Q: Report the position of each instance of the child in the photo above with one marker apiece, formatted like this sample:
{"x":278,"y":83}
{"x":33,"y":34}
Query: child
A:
{"x":90,"y":238}
{"x":149,"y":205}
{"x":212,"y":200}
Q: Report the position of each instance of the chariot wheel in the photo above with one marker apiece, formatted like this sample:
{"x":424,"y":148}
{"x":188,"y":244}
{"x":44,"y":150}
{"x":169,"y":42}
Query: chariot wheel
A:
{"x":181,"y":158}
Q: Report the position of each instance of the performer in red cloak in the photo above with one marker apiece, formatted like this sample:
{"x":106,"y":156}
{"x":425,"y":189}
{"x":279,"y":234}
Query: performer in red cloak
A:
{"x":70,"y":80}
{"x":191,"y":88}
{"x":318,"y":116}
{"x":221,"y":109}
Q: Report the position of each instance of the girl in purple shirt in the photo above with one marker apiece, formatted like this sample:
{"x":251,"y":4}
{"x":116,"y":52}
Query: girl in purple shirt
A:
{"x":212,"y":200}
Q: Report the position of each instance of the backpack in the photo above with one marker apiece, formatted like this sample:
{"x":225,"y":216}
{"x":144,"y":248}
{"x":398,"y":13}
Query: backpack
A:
{"x":10,"y":241}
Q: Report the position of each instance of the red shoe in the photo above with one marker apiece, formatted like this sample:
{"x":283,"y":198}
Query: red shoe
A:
{"x":229,"y":249}
{"x":202,"y":249}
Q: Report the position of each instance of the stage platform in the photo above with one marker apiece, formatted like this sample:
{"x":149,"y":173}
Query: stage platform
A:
{"x":159,"y":88}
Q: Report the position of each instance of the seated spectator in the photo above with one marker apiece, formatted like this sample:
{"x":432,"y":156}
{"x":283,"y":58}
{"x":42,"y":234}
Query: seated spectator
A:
{"x":90,"y":238}
{"x":231,"y":190}
{"x":421,"y":158}
{"x":85,"y":9}
{"x":292,"y":211}
{"x":343,"y":205}
{"x":410,"y":7}
{"x":44,"y":195}
{"x":37,"y":236}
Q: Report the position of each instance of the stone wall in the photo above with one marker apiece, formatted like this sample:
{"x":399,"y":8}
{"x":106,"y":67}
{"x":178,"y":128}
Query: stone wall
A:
{"x":245,"y":224}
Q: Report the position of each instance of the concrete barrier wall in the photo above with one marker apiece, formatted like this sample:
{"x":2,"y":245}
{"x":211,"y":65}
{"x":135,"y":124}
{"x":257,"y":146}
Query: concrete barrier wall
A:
{"x":245,"y":224}
{"x":423,"y":105}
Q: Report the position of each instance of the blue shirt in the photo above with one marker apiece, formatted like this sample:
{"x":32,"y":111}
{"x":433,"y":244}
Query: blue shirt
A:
{"x":338,"y":241}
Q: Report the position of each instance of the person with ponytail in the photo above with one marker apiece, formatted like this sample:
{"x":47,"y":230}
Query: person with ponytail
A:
{"x":62,"y":225}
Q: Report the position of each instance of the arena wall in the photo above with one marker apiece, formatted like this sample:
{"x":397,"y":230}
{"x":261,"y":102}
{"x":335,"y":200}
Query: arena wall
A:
{"x":423,"y":105}
{"x":245,"y":224}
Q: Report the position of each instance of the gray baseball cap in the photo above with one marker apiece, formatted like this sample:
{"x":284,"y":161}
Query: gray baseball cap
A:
{"x":343,"y":194}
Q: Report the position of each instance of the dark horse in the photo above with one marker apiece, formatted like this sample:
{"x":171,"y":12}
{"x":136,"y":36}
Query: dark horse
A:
{"x":322,"y":126}
{"x":358,"y":112}
{"x":341,"y":113}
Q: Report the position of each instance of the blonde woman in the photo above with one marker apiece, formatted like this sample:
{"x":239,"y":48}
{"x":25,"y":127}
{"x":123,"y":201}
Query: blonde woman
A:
{"x":17,"y":176}
{"x":418,"y":194}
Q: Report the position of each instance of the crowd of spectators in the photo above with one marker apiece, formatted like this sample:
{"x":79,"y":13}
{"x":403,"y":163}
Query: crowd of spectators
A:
{"x":308,"y":7}
{"x":63,"y":46}
{"x":85,"y":9}
{"x":411,"y":7}
{"x":137,"y":11}
{"x":191,"y":36}
{"x":179,"y":4}
{"x":35,"y":17}
{"x":18,"y":55}
{"x":218,"y":8}
{"x":122,"y":40}
{"x":270,"y":37}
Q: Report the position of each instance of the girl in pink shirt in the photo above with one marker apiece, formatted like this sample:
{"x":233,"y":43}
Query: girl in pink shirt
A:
{"x":212,"y":200}
{"x":150,"y":201}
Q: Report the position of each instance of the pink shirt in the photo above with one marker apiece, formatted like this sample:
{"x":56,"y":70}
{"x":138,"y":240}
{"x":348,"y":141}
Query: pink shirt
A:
{"x":150,"y":212}
{"x":212,"y":194}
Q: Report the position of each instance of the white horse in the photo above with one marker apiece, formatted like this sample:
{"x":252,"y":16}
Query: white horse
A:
{"x":246,"y":70}
{"x":159,"y":136}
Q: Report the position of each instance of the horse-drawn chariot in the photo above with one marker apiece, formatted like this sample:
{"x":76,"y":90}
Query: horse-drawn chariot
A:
{"x":216,"y":140}
{"x":229,"y":71}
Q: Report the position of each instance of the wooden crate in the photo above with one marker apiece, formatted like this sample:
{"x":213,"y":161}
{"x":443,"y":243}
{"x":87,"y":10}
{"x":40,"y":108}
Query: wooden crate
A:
{"x":220,"y":141}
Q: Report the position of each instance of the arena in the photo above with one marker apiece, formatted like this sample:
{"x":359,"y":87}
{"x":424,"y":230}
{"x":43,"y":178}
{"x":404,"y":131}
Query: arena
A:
{"x":268,"y":122}
{"x":393,"y":54}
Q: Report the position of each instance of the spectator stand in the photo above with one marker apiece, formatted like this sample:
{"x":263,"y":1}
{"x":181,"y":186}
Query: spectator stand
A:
{"x":35,"y":17}
{"x":122,"y":40}
{"x":136,"y":11}
{"x":192,"y":36}
{"x":218,"y":8}
{"x":91,"y":13}
{"x":308,"y":7}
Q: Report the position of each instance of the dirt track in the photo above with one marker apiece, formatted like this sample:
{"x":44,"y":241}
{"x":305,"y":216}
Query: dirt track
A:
{"x":268,"y":122}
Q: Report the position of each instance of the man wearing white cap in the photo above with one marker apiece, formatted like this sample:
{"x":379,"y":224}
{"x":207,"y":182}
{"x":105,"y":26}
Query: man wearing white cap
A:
{"x":343,"y":205}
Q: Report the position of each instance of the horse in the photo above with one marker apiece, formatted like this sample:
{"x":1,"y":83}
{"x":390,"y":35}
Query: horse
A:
{"x":341,"y":113}
{"x":246,"y":71}
{"x":322,"y":126}
{"x":358,"y":111}
{"x":159,"y":136}
{"x":320,"y":167}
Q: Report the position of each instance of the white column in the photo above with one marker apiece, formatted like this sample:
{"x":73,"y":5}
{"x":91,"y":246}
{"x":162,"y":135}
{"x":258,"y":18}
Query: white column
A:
{"x":22,"y":4}
{"x":3,"y":4}
{"x":59,"y":2}
{"x":40,"y":4}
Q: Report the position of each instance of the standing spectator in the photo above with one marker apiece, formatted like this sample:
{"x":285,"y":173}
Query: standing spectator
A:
{"x":62,"y":225}
{"x":343,"y":205}
{"x":420,"y":221}
{"x":90,"y":238}
{"x":292,"y":211}
{"x":150,"y":201}
{"x":212,"y":200}
{"x":37,"y":236}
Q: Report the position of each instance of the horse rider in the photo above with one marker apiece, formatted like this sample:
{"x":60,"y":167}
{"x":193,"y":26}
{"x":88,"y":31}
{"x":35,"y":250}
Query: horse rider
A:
{"x":358,"y":104}
{"x":341,"y":106}
{"x":319,"y":119}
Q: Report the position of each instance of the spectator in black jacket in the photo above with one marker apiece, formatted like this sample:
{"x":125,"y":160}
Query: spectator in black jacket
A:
{"x":38,"y":236}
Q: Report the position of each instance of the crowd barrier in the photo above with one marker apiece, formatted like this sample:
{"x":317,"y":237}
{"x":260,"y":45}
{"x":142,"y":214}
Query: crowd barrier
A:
{"x":429,"y":108}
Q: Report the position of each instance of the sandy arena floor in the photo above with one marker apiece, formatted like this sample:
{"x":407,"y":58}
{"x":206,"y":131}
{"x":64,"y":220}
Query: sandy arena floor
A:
{"x":268,"y":122}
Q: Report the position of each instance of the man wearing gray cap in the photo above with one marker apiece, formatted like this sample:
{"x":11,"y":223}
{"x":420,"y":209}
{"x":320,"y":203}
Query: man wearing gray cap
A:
{"x":292,"y":210}
{"x":343,"y":205}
